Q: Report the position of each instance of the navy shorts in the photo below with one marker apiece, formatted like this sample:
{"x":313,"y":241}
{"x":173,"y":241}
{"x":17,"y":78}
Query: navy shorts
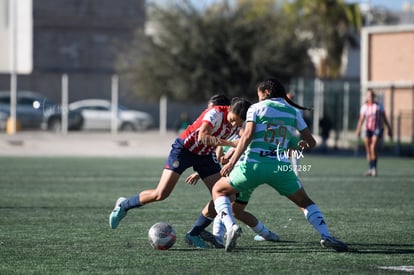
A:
{"x":377,"y":133}
{"x":180,"y":159}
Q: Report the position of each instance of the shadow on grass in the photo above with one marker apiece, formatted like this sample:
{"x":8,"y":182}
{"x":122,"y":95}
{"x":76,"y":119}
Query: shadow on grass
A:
{"x":306,"y":247}
{"x":281,"y":247}
{"x":391,"y":249}
{"x":312,"y":247}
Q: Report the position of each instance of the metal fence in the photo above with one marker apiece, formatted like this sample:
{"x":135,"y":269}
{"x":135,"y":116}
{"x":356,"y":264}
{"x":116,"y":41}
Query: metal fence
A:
{"x":336,"y":105}
{"x":339,"y":103}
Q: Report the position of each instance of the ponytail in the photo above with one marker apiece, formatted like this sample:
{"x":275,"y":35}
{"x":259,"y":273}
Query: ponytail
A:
{"x":276,"y":89}
{"x":288,"y":100}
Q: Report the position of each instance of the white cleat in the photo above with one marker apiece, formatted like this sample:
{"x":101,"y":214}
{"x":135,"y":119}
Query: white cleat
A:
{"x":232,"y":236}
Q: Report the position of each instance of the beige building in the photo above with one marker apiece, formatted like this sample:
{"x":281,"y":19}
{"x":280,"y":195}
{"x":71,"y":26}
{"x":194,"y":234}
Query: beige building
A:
{"x":387,"y":65}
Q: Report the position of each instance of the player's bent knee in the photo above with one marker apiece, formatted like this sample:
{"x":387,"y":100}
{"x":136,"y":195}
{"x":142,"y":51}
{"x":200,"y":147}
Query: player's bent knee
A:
{"x":160,"y":196}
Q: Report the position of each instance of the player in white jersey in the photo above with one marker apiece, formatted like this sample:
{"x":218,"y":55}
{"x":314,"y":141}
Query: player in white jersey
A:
{"x":373,"y":114}
{"x":269,"y":126}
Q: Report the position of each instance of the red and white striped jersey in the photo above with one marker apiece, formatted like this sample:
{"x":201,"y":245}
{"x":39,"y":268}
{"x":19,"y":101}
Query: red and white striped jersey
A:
{"x":216,"y":116}
{"x":373,"y":113}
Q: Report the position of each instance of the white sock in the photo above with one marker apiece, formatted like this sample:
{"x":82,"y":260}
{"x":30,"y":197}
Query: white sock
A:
{"x":315,"y":217}
{"x":223,"y":208}
{"x":260,"y":228}
{"x":218,"y":228}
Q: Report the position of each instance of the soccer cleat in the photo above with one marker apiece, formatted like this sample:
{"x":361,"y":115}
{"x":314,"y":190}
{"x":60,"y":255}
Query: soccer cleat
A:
{"x":371,"y":173}
{"x":272,"y":237}
{"x":195,"y":241}
{"x":232,"y":236}
{"x":117,"y":214}
{"x":210,"y":238}
{"x":367,"y":173}
{"x":331,"y":242}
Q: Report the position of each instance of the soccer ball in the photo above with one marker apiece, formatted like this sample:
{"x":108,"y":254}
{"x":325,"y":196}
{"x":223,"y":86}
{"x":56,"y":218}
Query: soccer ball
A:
{"x":161,"y":236}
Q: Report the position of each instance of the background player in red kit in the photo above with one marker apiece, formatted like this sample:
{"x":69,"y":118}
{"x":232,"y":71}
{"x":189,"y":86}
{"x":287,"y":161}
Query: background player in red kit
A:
{"x":373,"y":114}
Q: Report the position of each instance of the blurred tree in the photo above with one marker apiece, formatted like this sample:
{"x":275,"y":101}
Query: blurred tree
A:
{"x":192,"y":54}
{"x":330,"y":26}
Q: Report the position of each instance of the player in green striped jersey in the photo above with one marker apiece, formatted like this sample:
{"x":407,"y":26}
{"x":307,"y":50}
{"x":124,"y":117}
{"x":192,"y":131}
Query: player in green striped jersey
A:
{"x":269,"y":127}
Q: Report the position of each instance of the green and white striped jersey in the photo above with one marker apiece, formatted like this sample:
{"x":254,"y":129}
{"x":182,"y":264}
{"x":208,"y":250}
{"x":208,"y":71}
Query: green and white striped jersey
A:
{"x":276,"y":123}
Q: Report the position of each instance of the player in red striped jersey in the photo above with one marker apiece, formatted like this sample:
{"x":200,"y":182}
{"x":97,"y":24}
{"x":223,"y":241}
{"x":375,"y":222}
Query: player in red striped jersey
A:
{"x":195,"y":148}
{"x":215,"y":117}
{"x":373,"y":114}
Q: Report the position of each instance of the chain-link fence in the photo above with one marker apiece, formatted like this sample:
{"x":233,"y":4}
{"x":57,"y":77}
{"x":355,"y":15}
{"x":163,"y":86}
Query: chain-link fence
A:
{"x":337,"y":104}
{"x":336,"y":107}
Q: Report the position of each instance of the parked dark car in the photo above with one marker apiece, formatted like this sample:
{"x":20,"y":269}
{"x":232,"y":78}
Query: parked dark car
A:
{"x":3,"y":120}
{"x":35,"y":111}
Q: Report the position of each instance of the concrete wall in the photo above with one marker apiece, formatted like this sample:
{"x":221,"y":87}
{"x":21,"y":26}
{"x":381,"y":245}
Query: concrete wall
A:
{"x":83,"y":36}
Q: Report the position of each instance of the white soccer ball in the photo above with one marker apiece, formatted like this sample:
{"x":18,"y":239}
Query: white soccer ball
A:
{"x":161,"y":236}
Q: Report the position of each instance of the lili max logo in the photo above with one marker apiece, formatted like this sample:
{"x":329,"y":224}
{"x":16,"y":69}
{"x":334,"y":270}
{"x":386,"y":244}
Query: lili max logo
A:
{"x":282,"y":154}
{"x":287,"y":154}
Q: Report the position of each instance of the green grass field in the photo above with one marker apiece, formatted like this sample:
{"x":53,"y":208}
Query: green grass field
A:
{"x":54,"y":220}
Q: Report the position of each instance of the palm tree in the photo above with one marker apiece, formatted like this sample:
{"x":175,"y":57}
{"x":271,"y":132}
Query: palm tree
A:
{"x":331,"y":26}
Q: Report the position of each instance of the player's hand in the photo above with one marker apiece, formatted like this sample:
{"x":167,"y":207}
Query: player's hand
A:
{"x":224,"y":160}
{"x":192,"y":179}
{"x":302,"y":144}
{"x":226,"y":169}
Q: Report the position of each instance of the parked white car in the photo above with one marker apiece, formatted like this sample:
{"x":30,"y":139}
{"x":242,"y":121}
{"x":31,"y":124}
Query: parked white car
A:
{"x":97,"y":115}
